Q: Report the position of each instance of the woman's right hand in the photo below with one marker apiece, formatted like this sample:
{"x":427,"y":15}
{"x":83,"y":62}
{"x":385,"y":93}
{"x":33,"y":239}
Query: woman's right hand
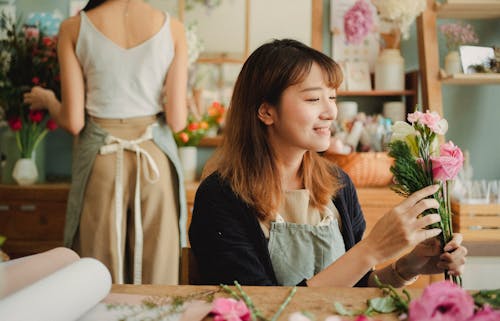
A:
{"x":402,"y":228}
{"x":38,"y":98}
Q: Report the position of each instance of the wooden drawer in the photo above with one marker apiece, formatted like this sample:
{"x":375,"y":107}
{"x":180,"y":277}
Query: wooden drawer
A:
{"x":479,"y":222}
{"x":32,"y":217}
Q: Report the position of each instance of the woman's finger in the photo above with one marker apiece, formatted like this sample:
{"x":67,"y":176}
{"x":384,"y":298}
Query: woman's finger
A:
{"x":427,"y":220}
{"x":419,"y":195}
{"x":423,"y":235}
{"x":455,"y":242}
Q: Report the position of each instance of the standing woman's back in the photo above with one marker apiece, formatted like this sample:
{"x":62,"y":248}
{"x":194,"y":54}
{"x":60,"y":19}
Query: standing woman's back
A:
{"x":123,"y":63}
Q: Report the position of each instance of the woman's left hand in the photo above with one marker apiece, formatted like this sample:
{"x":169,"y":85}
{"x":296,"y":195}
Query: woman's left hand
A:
{"x":426,"y":257}
{"x":37,"y":98}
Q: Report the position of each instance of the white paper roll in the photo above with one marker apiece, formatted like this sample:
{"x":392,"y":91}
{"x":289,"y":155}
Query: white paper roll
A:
{"x":62,"y":296}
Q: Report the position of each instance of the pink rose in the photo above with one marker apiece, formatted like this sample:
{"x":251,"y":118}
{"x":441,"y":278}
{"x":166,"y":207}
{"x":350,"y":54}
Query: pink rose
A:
{"x":358,"y":22}
{"x":442,"y":301}
{"x":225,"y":309}
{"x":414,"y":117}
{"x":449,"y":162}
{"x":486,"y":314}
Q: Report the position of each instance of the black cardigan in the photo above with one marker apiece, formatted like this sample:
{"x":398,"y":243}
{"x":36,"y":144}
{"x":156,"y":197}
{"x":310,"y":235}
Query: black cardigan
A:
{"x":229,"y":244}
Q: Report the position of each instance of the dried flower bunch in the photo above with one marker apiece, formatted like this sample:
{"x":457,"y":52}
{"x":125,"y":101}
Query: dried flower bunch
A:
{"x":400,"y":13}
{"x":457,"y":34}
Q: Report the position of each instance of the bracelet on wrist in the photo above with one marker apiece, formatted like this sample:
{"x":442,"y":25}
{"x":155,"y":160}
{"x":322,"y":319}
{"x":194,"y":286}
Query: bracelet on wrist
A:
{"x":400,"y":277}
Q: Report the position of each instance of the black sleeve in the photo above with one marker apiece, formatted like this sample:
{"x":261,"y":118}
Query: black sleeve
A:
{"x":225,"y":238}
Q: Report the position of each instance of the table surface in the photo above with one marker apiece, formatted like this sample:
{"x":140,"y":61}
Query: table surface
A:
{"x":318,"y":301}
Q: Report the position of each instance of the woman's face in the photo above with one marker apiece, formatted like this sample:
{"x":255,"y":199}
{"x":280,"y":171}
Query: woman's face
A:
{"x":306,"y":112}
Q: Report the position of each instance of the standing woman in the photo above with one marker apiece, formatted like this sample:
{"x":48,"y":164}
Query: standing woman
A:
{"x":274,"y":212}
{"x":123,"y":63}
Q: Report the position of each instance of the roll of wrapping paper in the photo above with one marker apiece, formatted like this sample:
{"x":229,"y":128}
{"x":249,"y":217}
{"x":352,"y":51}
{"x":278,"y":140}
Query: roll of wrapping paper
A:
{"x":18,"y":273}
{"x":64,"y":295}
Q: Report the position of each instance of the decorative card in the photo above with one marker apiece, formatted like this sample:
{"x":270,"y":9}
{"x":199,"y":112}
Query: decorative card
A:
{"x":358,"y":76}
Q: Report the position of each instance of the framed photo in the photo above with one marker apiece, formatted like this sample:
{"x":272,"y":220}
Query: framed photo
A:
{"x":471,"y":56}
{"x":358,"y":76}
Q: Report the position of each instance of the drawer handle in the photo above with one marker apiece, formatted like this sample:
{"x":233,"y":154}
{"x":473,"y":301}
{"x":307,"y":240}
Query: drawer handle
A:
{"x":28,"y":207}
{"x":4,"y":208}
{"x":480,"y":227}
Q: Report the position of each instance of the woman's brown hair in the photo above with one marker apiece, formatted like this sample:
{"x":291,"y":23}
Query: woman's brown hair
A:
{"x":245,"y":158}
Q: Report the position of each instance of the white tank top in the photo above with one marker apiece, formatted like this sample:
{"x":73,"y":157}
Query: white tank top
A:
{"x":119,"y":82}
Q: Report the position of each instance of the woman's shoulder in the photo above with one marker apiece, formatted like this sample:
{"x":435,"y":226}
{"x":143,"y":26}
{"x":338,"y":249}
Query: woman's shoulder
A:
{"x":70,"y":27}
{"x":214,"y":184}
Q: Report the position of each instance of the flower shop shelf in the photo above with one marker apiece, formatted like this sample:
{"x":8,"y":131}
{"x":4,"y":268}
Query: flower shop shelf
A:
{"x":477,"y":222}
{"x":471,"y":79}
{"x":468,"y":9}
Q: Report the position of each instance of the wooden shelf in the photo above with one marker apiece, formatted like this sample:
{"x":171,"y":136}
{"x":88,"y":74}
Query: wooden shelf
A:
{"x":221,"y":58}
{"x":472,"y":79}
{"x":378,"y":93}
{"x":469,"y":9}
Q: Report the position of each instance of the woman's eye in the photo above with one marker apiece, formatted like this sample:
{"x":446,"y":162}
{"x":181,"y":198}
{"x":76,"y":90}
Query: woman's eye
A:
{"x":312,"y":99}
{"x":333,"y":98}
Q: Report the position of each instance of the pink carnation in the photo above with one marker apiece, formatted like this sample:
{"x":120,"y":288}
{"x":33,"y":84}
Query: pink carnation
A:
{"x":442,"y":301}
{"x":430,"y":119}
{"x":358,"y":22}
{"x":414,"y":117}
{"x":225,"y":309}
{"x":486,"y":314}
{"x":449,"y":162}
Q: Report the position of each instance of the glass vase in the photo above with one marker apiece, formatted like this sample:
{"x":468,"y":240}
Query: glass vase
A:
{"x":25,"y":171}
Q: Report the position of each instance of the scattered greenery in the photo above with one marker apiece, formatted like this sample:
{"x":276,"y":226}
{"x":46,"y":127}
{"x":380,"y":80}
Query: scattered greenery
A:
{"x":490,"y":297}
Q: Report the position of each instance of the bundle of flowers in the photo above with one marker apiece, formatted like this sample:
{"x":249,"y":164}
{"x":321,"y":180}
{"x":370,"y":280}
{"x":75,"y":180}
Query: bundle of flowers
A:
{"x":193,"y":133}
{"x":420,"y":161}
{"x":28,"y":59}
{"x":457,"y":34}
{"x":215,"y":114}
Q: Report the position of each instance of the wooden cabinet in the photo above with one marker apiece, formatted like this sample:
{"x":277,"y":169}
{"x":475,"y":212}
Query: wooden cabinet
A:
{"x":428,"y":47}
{"x":32,"y":218}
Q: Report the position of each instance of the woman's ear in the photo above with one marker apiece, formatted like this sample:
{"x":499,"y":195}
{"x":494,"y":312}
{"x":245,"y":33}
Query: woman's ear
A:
{"x":266,"y":113}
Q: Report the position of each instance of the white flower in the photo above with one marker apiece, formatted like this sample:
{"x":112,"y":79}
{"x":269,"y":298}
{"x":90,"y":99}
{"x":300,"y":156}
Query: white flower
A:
{"x":400,"y":12}
{"x":401,"y":130}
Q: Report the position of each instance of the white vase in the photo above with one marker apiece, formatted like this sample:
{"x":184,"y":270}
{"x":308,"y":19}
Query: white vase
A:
{"x":452,"y":63}
{"x":390,"y":70}
{"x":187,"y":155}
{"x":25,"y":172}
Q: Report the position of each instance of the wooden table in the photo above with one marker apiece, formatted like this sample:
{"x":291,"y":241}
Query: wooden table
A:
{"x":318,"y":301}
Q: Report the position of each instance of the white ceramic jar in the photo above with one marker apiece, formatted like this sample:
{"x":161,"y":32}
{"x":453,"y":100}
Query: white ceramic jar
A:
{"x":452,"y":63}
{"x":390,"y":70}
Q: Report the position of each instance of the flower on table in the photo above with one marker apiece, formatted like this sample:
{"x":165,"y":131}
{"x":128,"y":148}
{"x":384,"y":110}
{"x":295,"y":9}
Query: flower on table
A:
{"x":457,"y":34}
{"x":442,"y":301}
{"x":228,"y":309}
{"x":358,"y":22}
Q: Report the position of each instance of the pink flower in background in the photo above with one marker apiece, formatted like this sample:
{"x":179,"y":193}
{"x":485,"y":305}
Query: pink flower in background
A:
{"x":414,"y":117}
{"x":442,"y":301}
{"x":449,"y":162}
{"x":225,"y":309}
{"x":458,"y":34}
{"x":358,"y":22}
{"x":430,"y":119}
{"x":31,"y":32}
{"x":486,"y":314}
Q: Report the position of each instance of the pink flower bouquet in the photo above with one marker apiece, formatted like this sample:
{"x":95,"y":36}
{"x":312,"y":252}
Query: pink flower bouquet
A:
{"x":358,"y":22}
{"x":419,"y":161}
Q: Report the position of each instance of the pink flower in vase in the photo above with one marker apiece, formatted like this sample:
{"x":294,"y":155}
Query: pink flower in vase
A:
{"x":225,"y":309}
{"x":358,"y":22}
{"x":442,"y":301}
{"x":447,"y":165}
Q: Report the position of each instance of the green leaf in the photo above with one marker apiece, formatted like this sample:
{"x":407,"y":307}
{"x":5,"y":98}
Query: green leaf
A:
{"x":339,"y":307}
{"x":2,"y":239}
{"x":383,"y":304}
{"x":491,"y":297}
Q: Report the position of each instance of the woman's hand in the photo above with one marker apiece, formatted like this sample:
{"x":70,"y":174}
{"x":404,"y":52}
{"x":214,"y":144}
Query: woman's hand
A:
{"x":426,"y":258}
{"x":38,"y":98}
{"x":402,"y":228}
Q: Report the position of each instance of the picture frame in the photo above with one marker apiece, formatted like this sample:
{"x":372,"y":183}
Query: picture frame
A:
{"x":358,"y":76}
{"x":471,"y":56}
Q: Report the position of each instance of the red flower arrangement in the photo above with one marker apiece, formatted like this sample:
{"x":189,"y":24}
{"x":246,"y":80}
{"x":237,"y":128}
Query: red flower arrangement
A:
{"x":28,"y":58}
